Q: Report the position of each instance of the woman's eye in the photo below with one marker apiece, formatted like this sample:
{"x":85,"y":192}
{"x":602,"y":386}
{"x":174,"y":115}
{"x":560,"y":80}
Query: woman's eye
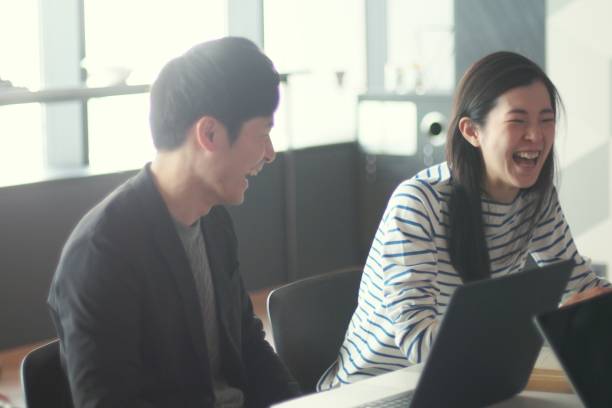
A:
{"x":517,"y":121}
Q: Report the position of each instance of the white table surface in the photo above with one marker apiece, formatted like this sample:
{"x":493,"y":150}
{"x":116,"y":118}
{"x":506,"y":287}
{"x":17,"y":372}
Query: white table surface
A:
{"x":405,"y":379}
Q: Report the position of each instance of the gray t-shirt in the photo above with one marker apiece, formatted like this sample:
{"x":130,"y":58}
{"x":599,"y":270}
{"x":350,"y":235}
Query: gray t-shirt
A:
{"x":195,"y":247}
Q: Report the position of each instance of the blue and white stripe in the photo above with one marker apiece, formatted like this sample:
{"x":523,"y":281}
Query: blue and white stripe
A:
{"x":408,"y":278}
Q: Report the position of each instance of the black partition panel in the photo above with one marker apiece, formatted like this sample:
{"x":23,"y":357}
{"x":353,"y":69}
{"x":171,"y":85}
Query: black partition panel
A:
{"x":260,"y":227}
{"x":379,"y":175}
{"x":326,"y":208}
{"x":35,"y":220}
{"x":300,"y":216}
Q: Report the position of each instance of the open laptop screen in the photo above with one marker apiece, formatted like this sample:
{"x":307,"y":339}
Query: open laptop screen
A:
{"x":581,"y":337}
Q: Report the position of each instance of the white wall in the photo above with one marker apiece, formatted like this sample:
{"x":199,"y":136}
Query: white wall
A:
{"x":579,"y":61}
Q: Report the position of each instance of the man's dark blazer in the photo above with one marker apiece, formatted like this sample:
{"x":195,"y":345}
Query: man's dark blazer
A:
{"x":125,"y":307}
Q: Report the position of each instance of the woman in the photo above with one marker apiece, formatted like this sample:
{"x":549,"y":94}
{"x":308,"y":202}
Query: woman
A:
{"x":480,"y":215}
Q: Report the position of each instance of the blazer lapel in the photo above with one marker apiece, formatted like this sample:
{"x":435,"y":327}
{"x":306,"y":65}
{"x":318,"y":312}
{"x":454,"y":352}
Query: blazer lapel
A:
{"x":219,"y":248}
{"x":178,"y":265}
{"x":169,"y":245}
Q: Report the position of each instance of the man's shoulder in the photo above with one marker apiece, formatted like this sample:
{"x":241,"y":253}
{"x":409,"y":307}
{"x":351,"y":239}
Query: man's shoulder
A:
{"x":108,"y":234}
{"x":122,"y":205}
{"x":118,"y":217}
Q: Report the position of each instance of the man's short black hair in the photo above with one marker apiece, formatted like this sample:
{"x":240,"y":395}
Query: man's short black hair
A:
{"x":229,"y":79}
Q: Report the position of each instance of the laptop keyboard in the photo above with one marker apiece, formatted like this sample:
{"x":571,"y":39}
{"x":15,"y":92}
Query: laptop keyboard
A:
{"x":395,"y":401}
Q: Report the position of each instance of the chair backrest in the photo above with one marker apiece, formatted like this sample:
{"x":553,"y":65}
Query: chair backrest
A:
{"x":309,"y":319}
{"x":43,"y":379}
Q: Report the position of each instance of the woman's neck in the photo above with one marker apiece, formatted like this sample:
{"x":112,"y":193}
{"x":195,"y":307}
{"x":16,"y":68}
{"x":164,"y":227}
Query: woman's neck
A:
{"x":501,"y":193}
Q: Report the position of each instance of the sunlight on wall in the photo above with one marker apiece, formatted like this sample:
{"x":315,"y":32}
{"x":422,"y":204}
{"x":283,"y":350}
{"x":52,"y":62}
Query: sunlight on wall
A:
{"x":579,"y":61}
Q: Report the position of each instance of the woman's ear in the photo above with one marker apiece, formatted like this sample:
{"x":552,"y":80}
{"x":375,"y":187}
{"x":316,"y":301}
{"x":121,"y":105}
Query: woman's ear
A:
{"x":469,"y":130}
{"x":205,"y":132}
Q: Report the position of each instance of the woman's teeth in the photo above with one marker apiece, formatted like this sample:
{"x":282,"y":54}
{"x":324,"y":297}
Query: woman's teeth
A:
{"x":529,"y":157}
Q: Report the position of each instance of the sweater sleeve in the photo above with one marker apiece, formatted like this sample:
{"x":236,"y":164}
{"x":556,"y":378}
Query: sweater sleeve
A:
{"x":552,"y":242}
{"x":410,"y":268}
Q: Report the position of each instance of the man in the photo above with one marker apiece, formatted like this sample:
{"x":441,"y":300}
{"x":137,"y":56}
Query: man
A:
{"x":147,"y":299}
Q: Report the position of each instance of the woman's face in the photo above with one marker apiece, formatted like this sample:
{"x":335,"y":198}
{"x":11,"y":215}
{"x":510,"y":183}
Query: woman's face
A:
{"x":515,"y":140}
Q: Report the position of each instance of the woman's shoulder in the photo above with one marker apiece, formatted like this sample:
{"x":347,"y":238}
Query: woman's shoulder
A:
{"x":434,"y":179}
{"x":431,"y":185}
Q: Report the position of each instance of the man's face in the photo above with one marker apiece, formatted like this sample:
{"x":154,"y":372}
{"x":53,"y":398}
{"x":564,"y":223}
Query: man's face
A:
{"x":243,"y":159}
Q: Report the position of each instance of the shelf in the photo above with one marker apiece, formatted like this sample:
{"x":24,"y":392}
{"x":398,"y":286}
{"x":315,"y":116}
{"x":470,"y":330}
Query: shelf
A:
{"x":17,"y":96}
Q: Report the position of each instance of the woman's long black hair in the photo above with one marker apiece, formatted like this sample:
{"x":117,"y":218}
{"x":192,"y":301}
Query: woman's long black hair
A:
{"x":476,"y":95}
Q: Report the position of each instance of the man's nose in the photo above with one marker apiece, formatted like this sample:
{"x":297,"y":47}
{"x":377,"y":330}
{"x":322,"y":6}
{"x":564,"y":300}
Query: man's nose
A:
{"x":269,"y":153}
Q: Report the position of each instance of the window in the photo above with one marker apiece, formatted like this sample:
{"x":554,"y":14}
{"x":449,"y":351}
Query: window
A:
{"x":129,"y":41}
{"x":22,"y":152}
{"x":321,"y":45}
{"x":119,"y":143}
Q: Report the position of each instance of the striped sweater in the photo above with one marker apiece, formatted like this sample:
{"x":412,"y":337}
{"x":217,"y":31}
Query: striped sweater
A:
{"x":408,"y":278}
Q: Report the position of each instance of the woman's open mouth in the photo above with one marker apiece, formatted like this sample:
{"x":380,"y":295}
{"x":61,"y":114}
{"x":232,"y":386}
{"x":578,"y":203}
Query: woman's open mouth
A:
{"x":526,"y":158}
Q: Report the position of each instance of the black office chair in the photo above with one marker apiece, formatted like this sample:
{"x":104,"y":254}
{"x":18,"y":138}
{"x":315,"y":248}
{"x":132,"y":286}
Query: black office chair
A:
{"x":43,"y":379}
{"x":309,"y":319}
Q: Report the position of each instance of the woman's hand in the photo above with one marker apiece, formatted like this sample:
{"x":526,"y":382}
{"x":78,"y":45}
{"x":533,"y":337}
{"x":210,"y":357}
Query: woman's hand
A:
{"x":587,"y":294}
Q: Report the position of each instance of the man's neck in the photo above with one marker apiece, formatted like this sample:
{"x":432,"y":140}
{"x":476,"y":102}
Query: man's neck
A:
{"x":182,"y":193}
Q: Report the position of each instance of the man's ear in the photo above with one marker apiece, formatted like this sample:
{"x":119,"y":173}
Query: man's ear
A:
{"x":469,"y":130}
{"x":205,"y":129}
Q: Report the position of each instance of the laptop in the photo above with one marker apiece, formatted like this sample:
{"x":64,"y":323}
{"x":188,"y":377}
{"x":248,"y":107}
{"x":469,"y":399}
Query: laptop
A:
{"x":580,"y":335}
{"x":486,"y":345}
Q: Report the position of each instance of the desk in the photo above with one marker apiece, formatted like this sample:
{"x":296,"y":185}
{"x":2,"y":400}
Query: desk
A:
{"x":406,"y":378}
